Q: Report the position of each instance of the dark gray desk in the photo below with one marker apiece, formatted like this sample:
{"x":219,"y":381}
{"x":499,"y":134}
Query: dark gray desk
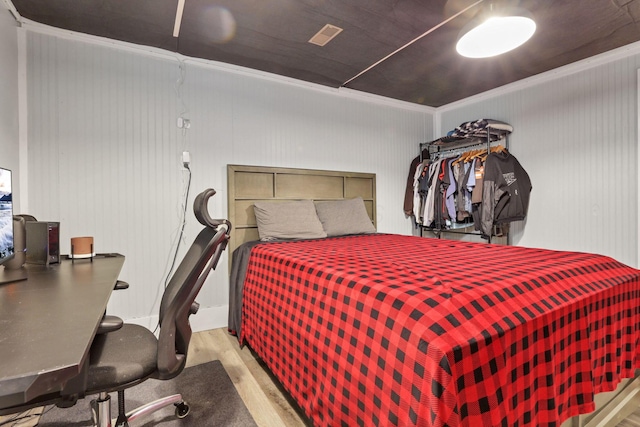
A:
{"x":47,"y":324}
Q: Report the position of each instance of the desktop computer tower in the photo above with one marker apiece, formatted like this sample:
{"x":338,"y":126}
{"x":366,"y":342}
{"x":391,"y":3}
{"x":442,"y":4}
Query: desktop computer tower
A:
{"x":43,"y":242}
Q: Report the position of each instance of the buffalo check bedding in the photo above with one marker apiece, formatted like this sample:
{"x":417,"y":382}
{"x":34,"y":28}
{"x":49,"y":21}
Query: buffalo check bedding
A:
{"x":400,"y":330}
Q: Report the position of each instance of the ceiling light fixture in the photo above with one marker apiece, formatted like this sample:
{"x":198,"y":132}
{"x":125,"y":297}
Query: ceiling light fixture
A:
{"x":498,"y":32}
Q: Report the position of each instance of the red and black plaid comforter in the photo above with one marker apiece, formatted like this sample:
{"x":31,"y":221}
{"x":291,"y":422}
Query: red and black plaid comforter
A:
{"x":401,"y":330}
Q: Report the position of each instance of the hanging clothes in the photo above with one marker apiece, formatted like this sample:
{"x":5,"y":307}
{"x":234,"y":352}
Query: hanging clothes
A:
{"x":488,"y":189}
{"x":462,"y":202}
{"x":485,"y":185}
{"x":420,"y":190}
{"x":476,"y":194}
{"x":429,"y":214}
{"x":416,"y":203}
{"x":451,"y":192}
{"x":408,"y":195}
{"x":506,"y":189}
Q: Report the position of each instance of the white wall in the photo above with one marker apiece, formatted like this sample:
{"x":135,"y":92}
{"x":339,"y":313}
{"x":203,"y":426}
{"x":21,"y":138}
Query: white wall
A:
{"x":105,"y":151}
{"x":575,"y":132}
{"x":9,"y":135}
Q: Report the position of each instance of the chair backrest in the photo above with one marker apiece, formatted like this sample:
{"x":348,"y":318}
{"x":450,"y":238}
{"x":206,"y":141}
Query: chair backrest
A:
{"x":178,"y":300}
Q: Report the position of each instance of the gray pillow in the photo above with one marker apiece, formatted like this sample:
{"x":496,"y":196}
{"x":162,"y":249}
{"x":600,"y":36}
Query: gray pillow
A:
{"x":288,"y":220}
{"x":341,"y":217}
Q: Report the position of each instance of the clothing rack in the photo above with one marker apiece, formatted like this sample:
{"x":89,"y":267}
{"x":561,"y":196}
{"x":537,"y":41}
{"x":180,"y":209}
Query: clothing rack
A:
{"x":446,"y":146}
{"x":461,"y":142}
{"x":454,"y":152}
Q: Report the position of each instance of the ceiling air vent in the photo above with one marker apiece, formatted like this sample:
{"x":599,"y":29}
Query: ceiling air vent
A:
{"x":325,"y":35}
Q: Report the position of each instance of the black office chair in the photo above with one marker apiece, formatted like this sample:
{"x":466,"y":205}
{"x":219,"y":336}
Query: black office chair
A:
{"x":132,"y":354}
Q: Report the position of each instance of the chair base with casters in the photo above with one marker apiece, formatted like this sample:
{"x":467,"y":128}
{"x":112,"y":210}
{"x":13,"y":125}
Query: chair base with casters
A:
{"x":110,"y":371}
{"x":102,"y":416}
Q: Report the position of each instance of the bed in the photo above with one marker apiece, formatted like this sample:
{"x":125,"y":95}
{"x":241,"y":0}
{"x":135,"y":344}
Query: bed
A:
{"x":381,"y":329}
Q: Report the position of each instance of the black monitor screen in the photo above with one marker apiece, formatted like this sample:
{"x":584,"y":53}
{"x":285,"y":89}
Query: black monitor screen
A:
{"x":6,"y":216}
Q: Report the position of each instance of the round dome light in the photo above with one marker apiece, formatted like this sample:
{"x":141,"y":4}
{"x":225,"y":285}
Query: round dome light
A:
{"x":495,"y":36}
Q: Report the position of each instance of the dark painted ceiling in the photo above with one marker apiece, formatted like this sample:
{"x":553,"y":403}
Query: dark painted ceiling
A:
{"x":272,"y":36}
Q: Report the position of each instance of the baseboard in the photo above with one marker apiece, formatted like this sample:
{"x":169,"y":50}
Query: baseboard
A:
{"x":206,"y":318}
{"x":210,"y":318}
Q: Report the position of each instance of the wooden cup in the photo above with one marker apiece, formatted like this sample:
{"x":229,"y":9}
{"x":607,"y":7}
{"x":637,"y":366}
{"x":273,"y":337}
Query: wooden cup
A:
{"x":82,"y":247}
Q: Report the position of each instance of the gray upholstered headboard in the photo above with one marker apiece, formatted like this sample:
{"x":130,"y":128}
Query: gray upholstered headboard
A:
{"x":249,"y":184}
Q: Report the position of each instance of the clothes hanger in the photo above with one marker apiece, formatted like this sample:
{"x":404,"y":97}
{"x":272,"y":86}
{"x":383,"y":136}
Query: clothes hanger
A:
{"x":461,"y":158}
{"x":475,"y":154}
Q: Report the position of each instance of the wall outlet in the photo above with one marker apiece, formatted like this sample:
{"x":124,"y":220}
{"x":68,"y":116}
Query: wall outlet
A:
{"x":183,"y":123}
{"x":186,"y":158}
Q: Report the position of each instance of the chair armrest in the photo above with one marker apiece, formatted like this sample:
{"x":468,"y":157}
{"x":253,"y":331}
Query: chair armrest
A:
{"x":109,"y":323}
{"x":120,"y":284}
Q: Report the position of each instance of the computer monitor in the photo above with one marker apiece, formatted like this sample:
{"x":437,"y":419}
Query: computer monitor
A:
{"x":7,"y":247}
{"x":6,"y":216}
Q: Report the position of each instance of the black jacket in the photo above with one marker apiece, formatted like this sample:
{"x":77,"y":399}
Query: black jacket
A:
{"x":506,"y":191}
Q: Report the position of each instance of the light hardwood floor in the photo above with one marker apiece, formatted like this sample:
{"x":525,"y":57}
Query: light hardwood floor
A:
{"x":266,"y":401}
{"x":269,"y":405}
{"x":632,"y":420}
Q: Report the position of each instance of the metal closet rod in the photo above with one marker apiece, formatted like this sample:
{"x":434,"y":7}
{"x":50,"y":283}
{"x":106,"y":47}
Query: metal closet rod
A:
{"x":454,"y":151}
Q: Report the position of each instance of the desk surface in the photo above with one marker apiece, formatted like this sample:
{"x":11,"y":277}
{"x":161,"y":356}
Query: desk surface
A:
{"x":47,"y":324}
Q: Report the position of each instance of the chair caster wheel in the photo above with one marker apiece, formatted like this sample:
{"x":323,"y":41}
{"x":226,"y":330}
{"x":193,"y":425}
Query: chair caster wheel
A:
{"x":182,"y":409}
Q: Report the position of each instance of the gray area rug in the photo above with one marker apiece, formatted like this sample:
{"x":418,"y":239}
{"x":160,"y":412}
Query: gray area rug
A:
{"x":207,"y":389}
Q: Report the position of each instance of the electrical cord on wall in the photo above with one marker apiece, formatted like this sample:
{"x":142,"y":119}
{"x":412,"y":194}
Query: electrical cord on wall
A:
{"x":184,"y":221}
{"x":182,"y":68}
{"x":183,"y":124}
{"x":180,"y":235}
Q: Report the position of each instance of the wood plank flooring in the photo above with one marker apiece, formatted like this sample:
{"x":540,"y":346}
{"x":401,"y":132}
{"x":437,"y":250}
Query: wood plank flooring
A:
{"x":269,"y":405}
{"x":266,"y":401}
{"x":632,"y":420}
